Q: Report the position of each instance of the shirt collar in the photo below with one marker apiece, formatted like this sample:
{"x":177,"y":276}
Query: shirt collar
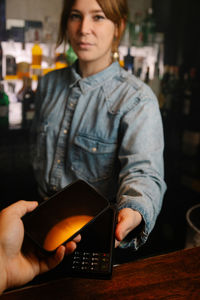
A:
{"x":95,"y":80}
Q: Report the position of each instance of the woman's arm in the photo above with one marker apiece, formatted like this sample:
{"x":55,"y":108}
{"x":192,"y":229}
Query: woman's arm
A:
{"x":141,"y":156}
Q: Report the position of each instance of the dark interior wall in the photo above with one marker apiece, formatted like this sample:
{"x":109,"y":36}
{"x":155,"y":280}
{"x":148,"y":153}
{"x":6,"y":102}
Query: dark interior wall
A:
{"x":2,"y":19}
{"x":191,"y":40}
{"x":179,"y":20}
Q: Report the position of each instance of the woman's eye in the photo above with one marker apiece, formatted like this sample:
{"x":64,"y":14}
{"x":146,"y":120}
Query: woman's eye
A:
{"x":99,"y":17}
{"x":75,"y":16}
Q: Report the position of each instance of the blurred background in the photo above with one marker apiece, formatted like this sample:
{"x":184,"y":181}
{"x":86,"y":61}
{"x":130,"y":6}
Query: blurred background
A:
{"x":161,"y":46}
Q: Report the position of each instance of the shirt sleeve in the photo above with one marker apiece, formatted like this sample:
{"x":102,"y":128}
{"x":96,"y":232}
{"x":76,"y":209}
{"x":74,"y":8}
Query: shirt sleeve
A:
{"x":141,"y":183}
{"x":33,"y":131}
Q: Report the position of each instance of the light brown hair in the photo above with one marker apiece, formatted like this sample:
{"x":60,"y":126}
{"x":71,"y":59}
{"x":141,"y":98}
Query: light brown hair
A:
{"x":115,"y":10}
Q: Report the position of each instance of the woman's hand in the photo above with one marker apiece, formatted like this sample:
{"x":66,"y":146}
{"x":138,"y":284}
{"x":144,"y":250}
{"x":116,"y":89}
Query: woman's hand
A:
{"x":128,"y":219}
{"x":16,"y":267}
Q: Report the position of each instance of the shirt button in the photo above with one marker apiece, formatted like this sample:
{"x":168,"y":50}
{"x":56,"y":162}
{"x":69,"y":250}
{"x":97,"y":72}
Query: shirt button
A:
{"x":58,"y":161}
{"x":65,"y":131}
{"x":94,"y":149}
{"x":71,"y":104}
{"x":54,"y":188}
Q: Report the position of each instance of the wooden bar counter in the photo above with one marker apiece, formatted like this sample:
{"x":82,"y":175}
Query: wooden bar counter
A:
{"x":171,"y":276}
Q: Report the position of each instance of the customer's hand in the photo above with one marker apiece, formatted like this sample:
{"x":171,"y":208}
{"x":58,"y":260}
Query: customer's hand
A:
{"x":128,"y":219}
{"x":17,"y":268}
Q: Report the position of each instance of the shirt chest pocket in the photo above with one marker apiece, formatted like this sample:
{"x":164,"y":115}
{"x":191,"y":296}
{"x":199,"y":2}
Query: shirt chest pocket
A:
{"x":93,"y":160}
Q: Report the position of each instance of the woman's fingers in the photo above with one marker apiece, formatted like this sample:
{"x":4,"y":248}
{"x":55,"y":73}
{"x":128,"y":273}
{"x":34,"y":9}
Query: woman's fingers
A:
{"x":128,"y":219}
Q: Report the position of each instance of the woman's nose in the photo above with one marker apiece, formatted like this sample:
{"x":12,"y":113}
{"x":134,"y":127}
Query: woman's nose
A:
{"x":85,"y":26}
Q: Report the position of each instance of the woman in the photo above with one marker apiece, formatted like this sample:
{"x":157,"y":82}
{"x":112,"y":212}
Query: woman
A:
{"x":96,"y":122}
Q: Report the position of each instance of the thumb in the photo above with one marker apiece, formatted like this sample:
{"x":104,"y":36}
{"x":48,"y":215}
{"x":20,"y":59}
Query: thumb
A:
{"x":20,"y":208}
{"x":122,"y":228}
{"x":128,"y":219}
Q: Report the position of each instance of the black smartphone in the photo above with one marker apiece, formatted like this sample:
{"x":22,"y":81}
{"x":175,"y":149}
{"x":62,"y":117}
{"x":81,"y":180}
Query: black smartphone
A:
{"x":64,"y":215}
{"x":93,"y":257}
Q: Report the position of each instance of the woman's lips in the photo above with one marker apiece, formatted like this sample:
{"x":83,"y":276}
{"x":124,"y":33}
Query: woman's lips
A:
{"x":85,"y":45}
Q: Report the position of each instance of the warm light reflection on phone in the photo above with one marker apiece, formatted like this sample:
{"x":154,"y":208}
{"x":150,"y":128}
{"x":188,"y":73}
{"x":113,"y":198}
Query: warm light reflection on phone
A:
{"x":63,"y":230}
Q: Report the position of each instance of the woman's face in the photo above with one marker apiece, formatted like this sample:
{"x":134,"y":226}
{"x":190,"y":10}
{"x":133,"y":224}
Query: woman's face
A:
{"x":91,"y":34}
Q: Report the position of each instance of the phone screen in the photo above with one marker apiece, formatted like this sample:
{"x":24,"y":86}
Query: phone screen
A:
{"x":60,"y":218}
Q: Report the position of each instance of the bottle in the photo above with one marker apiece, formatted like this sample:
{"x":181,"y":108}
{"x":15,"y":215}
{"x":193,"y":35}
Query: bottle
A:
{"x":70,"y":56}
{"x":139,"y":66}
{"x":187,"y":93}
{"x":15,"y":108}
{"x":176,"y":93}
{"x":126,"y":38}
{"x":27,"y":96}
{"x":149,"y":28}
{"x":136,"y":32}
{"x":11,"y":66}
{"x":60,"y":61}
{"x":36,"y":57}
{"x":48,"y":31}
{"x":1,"y":62}
{"x":195,"y":103}
{"x":4,"y":108}
{"x":23,"y":62}
{"x":11,"y":92}
{"x":146,"y":80}
{"x":172,"y":88}
{"x":36,"y":52}
{"x":165,"y":90}
{"x":129,"y":62}
{"x":155,"y":82}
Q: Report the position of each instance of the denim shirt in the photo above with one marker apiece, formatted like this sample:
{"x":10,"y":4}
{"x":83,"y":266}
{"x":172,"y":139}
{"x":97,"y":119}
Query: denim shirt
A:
{"x":105,"y":129}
